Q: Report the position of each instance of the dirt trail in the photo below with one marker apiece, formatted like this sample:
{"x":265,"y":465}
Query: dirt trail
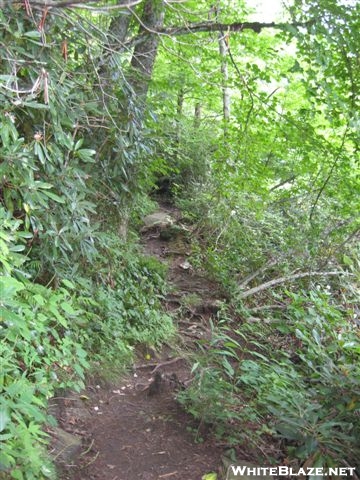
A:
{"x":136,"y":430}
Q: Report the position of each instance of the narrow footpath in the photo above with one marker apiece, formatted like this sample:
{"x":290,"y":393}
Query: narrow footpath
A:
{"x":136,"y":430}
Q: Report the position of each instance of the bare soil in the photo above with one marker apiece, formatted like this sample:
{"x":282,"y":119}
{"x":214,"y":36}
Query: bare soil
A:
{"x":135,"y":429}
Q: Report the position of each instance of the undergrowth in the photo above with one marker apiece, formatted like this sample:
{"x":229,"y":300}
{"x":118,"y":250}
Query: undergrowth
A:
{"x":50,"y":338}
{"x":282,"y":366}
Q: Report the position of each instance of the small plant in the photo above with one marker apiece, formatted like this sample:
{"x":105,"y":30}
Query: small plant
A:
{"x":191,"y":300}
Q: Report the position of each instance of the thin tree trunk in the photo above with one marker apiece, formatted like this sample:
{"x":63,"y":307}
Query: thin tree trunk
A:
{"x":179,"y":111}
{"x":197,"y":117}
{"x":180,"y":102}
{"x":223,"y":49}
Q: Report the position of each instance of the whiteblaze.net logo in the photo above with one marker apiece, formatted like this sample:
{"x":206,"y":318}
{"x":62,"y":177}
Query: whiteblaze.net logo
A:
{"x":239,"y":471}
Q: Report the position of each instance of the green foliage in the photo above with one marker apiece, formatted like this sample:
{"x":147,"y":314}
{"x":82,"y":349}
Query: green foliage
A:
{"x":272,"y":196}
{"x":45,"y":157}
{"x":40,"y":352}
{"x":44,"y":333}
{"x":69,"y":291}
{"x":320,"y":416}
{"x":184,"y":153}
{"x":125,"y":294}
{"x":298,"y":376}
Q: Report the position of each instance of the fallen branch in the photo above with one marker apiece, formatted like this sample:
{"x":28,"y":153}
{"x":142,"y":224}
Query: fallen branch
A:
{"x":191,"y":335}
{"x":168,"y":362}
{"x":158,"y":365}
{"x":289,"y":278}
{"x":267,"y":307}
{"x":146,"y":365}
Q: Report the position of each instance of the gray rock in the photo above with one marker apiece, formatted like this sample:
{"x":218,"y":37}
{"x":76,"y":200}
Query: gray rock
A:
{"x":157,"y":219}
{"x":66,"y":447}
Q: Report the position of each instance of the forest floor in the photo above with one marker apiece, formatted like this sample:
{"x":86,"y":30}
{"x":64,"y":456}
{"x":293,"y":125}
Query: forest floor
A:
{"x":135,"y":429}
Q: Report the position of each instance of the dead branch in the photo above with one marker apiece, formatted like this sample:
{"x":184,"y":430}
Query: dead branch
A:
{"x":168,"y":362}
{"x":267,"y":307}
{"x":86,"y":4}
{"x":288,"y":278}
{"x":211,"y":26}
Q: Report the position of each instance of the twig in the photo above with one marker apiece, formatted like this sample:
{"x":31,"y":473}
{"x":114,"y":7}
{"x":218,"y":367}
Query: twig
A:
{"x":188,"y":324}
{"x":287,"y":180}
{"x":93,"y":459}
{"x":88,"y":449}
{"x":332,"y":168}
{"x":146,"y":365}
{"x":338,"y":248}
{"x":75,"y":4}
{"x":198,"y":336}
{"x":168,"y":474}
{"x":356,"y":477}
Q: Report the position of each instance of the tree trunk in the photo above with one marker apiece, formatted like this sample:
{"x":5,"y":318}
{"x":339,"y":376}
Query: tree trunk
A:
{"x":120,"y":25}
{"x":118,"y":31}
{"x":145,"y":51}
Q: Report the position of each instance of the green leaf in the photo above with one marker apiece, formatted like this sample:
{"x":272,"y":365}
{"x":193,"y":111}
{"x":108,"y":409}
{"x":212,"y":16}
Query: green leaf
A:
{"x":17,"y":474}
{"x":68,"y":308}
{"x":43,"y":185}
{"x":8,"y":316}
{"x":289,"y":432}
{"x":17,"y":248}
{"x":37,"y":106}
{"x":316,"y":336}
{"x":209,"y":476}
{"x":6,"y":461}
{"x":39,"y":153}
{"x":33,"y":34}
{"x":86,"y":154}
{"x":78,"y":144}
{"x":68,"y":284}
{"x":9,"y":287}
{"x":228,"y":368}
{"x":347,"y":260}
{"x":54,"y":197}
{"x":39,"y":299}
